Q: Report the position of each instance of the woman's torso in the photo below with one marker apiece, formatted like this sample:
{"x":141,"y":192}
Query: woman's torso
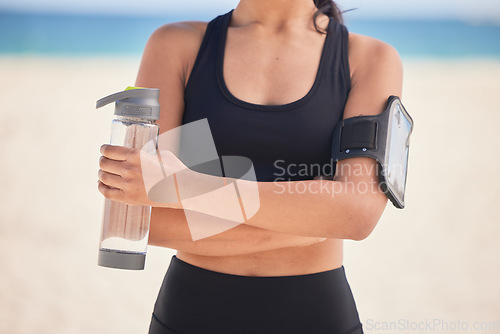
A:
{"x":271,"y":99}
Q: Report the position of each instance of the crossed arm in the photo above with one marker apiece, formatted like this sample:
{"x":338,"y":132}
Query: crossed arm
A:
{"x":169,"y":228}
{"x":286,"y":218}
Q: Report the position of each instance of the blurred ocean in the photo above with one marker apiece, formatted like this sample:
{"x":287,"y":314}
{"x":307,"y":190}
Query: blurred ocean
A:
{"x":83,"y":35}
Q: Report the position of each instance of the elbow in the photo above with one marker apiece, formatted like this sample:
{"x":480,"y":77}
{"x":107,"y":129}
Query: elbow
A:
{"x":355,"y":225}
{"x":362,"y":229}
{"x":365,"y":217}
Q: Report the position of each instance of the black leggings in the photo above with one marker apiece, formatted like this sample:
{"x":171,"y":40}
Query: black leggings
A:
{"x":193,"y":300}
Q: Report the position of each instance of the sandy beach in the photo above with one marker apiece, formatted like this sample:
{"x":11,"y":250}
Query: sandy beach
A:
{"x":432,"y":267}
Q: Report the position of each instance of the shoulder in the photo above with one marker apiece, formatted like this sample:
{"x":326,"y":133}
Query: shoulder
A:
{"x":376,"y":73}
{"x":178,"y":37}
{"x":368,"y":55}
{"x":178,"y":31}
{"x":171,"y":48}
{"x":169,"y":54}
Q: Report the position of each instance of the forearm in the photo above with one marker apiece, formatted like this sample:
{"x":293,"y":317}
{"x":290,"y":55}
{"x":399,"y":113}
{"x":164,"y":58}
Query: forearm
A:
{"x":322,"y":208}
{"x":169,"y":228}
{"x":345,"y":208}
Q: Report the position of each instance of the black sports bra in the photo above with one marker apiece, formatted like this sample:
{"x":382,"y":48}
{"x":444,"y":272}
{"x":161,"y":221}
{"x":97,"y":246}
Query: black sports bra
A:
{"x":284,"y":142}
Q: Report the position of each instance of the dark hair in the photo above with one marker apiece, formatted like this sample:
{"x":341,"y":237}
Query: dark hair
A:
{"x":329,"y":8}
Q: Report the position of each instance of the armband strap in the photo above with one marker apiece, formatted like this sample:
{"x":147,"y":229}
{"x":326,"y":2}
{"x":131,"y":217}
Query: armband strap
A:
{"x":358,"y":134}
{"x":383,"y":137}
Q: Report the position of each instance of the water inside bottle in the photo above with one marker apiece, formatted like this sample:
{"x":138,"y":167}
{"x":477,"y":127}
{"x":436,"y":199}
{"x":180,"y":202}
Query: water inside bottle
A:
{"x":125,"y":227}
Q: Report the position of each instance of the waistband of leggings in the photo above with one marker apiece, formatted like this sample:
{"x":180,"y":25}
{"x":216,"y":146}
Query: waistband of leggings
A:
{"x":181,"y":266}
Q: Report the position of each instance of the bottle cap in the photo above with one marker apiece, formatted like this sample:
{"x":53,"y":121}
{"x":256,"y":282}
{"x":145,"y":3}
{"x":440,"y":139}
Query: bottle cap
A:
{"x":135,"y":102}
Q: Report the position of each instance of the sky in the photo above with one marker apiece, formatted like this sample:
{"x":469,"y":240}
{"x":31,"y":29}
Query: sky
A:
{"x":477,"y":10}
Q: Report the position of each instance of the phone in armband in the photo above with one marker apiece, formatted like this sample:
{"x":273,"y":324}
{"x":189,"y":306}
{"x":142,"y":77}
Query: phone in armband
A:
{"x":384,"y":137}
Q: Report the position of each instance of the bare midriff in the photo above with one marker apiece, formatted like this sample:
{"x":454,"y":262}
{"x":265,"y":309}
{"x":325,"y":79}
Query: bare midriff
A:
{"x":323,"y":256}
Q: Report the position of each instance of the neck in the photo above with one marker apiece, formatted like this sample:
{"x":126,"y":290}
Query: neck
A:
{"x":275,"y":14}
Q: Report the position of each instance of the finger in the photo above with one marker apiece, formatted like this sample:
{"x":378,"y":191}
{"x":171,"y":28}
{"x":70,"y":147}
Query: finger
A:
{"x":111,"y":166}
{"x":110,"y":193}
{"x":111,"y":180}
{"x":113,"y":152}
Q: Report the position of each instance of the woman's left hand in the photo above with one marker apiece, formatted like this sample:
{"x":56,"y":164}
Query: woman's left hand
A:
{"x":121,"y":177}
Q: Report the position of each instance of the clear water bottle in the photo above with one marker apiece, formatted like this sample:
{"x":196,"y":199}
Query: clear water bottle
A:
{"x":125,"y":228}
